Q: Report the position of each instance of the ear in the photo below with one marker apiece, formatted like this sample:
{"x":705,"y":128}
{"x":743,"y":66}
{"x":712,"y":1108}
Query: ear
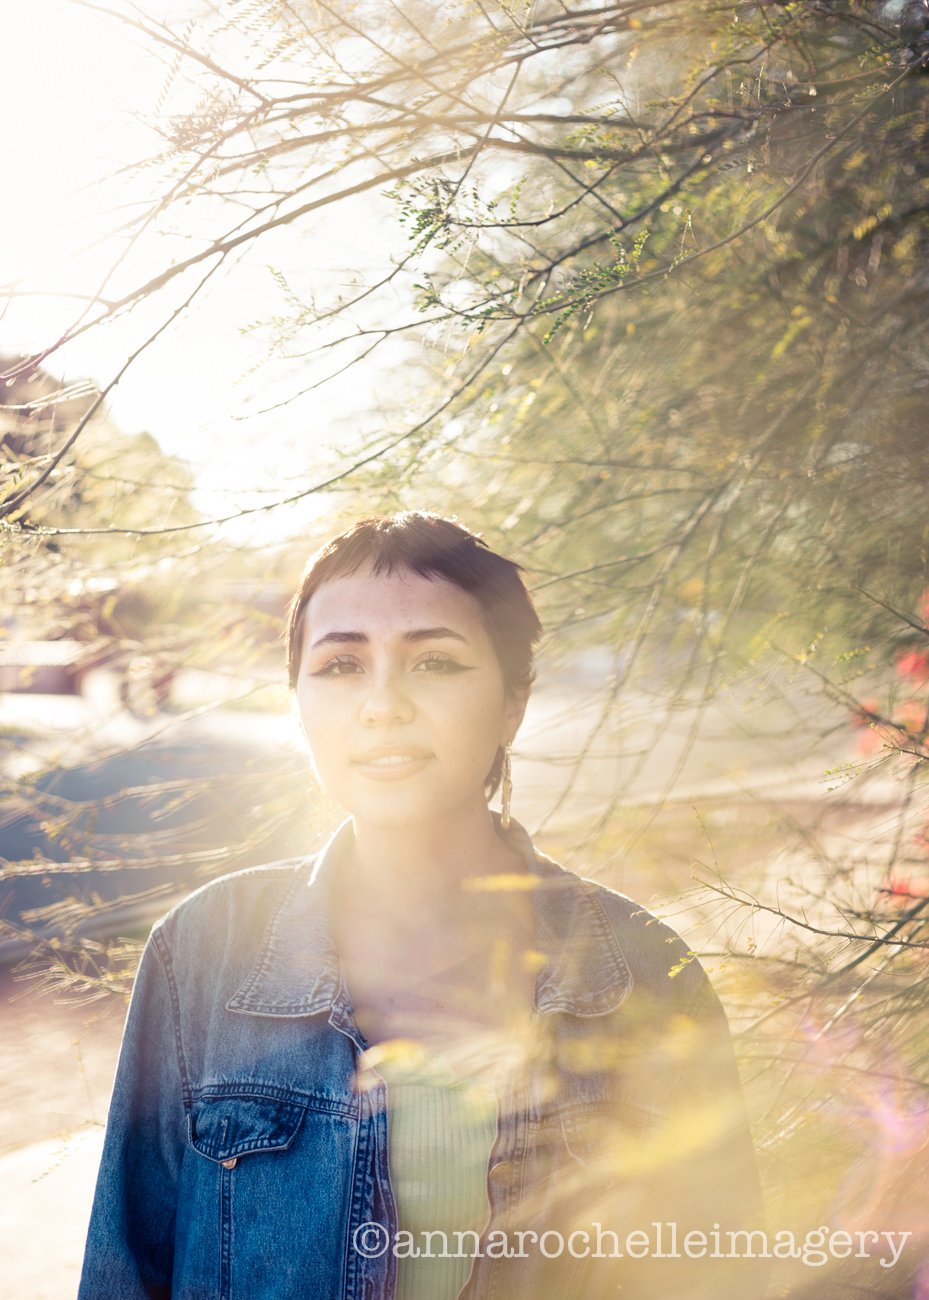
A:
{"x":515,"y":709}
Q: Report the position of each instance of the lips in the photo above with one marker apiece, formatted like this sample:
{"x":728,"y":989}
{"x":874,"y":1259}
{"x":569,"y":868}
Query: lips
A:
{"x":388,"y":762}
{"x":385,"y":755}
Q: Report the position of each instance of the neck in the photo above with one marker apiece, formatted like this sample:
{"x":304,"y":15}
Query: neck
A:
{"x":425,"y":870}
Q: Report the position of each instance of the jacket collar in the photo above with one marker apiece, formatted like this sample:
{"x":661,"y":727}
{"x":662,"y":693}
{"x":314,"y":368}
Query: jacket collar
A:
{"x":297,"y":970}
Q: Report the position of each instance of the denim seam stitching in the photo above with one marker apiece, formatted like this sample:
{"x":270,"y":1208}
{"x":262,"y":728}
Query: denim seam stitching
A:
{"x":243,"y":1148}
{"x":302,"y":1101}
{"x":225,"y":1228}
{"x":164,"y":956}
{"x":260,"y":968}
{"x":608,"y":933}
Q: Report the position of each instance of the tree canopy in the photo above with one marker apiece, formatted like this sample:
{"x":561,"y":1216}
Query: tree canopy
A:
{"x":657,"y":275}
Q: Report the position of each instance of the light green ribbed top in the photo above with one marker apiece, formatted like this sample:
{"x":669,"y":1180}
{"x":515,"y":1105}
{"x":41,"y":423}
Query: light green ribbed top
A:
{"x":441,"y":1128}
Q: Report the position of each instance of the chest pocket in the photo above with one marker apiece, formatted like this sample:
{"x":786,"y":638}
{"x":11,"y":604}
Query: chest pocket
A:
{"x":222,"y":1128}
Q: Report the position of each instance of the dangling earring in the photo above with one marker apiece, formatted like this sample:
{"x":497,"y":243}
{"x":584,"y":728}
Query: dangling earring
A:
{"x":506,"y":787}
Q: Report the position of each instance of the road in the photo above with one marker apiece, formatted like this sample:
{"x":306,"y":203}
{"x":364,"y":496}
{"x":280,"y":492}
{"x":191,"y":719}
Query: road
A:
{"x":54,"y":1091}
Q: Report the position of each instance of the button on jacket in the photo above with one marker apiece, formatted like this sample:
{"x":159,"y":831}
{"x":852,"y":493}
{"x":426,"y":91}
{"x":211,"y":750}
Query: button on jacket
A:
{"x":244,"y":1160}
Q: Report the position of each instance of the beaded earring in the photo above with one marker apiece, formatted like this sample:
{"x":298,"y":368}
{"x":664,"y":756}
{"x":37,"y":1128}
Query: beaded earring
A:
{"x":506,"y":787}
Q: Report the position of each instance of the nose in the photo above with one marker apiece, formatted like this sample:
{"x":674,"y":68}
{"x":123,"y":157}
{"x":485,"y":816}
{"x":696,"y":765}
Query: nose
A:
{"x":386,"y":701}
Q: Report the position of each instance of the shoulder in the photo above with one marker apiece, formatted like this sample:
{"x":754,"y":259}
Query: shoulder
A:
{"x":223,"y":907}
{"x":668,"y":981}
{"x":661,"y":964}
{"x":632,"y":920}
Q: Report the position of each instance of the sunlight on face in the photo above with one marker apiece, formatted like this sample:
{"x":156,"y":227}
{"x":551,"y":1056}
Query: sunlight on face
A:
{"x":402,"y":697}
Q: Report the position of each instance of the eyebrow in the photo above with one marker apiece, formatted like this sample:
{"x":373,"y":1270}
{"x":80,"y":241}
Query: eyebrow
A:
{"x":415,"y":634}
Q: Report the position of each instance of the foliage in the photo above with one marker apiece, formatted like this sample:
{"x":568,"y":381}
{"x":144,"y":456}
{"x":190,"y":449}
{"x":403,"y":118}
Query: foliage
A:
{"x":660,"y":271}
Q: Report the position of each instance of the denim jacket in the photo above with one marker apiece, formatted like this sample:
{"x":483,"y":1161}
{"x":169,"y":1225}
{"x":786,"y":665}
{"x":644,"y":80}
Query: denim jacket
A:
{"x":244,"y":1161}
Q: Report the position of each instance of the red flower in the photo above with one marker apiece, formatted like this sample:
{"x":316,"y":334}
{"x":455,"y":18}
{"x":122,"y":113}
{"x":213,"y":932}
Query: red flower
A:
{"x":914,"y":664}
{"x":903,"y":889}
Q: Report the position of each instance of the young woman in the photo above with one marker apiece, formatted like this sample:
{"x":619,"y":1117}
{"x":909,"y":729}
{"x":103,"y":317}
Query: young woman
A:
{"x":428,"y":1062}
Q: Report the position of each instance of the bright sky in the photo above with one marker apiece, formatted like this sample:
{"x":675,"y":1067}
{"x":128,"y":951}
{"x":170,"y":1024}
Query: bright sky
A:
{"x":78,"y":94}
{"x":72,"y":87}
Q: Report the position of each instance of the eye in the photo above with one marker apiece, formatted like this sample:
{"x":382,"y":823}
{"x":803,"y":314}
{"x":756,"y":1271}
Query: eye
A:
{"x":436,"y":664}
{"x":340,"y":666}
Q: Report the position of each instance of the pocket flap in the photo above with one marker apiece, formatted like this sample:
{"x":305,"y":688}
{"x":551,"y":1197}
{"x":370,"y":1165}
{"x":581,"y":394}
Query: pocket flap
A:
{"x":584,"y":1133}
{"x":223,"y":1127}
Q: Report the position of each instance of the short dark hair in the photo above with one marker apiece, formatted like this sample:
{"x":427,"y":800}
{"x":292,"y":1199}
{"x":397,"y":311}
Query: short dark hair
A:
{"x":433,"y":547}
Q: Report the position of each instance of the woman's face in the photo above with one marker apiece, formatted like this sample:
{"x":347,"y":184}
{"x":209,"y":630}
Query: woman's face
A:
{"x":402,"y":697}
